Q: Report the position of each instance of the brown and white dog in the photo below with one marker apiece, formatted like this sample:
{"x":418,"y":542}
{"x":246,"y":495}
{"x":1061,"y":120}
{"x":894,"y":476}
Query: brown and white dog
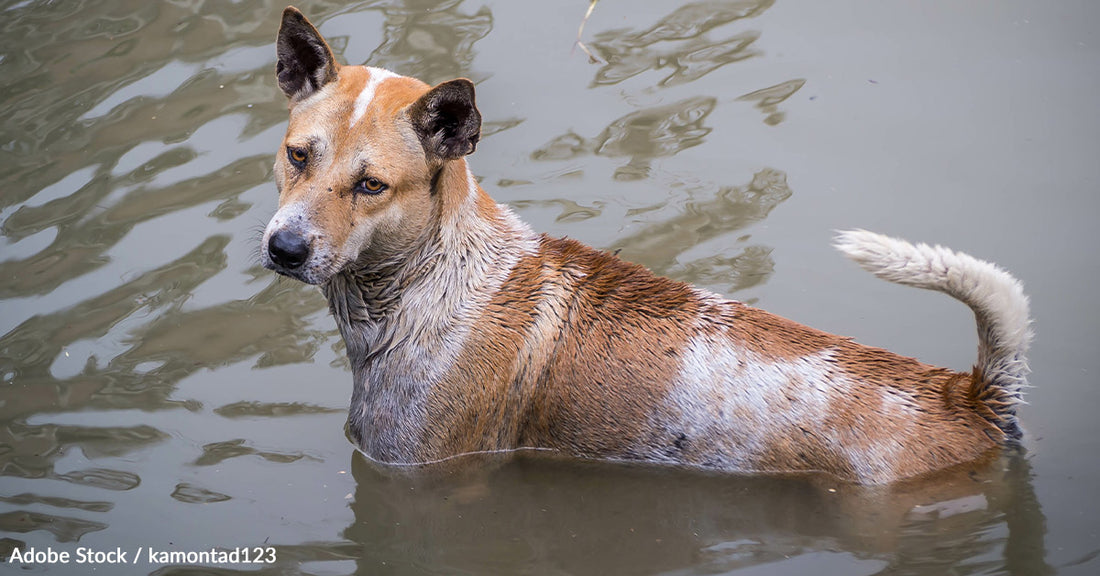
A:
{"x":467,"y":332}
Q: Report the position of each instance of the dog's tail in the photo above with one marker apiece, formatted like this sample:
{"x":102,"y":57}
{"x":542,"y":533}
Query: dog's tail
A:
{"x":997,"y":299}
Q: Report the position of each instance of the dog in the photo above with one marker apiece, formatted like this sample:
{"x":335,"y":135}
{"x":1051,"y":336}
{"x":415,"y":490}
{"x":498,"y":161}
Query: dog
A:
{"x":467,"y":332}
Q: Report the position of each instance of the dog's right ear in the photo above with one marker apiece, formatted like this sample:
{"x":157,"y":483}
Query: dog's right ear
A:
{"x":305,"y":61}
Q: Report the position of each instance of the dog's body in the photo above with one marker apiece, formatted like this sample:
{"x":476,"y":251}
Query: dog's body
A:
{"x":469,"y":332}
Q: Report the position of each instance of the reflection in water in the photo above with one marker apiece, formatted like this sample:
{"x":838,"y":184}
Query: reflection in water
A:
{"x":245,"y":409}
{"x":102,"y":478}
{"x":587,"y":515}
{"x":178,"y":342}
{"x":53,"y":120}
{"x":191,"y":494}
{"x":642,"y":136}
{"x":502,"y":514}
{"x":720,"y":212}
{"x":568,"y":210}
{"x":26,"y":499}
{"x":219,"y":452}
{"x":63,"y":528}
{"x":64,"y":59}
{"x":678,"y":41}
{"x":768,"y":99}
{"x":86,"y":231}
{"x":430,"y":40}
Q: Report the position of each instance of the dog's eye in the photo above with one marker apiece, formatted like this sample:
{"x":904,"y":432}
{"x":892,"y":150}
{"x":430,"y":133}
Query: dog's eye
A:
{"x":297,"y":156}
{"x":370,"y":186}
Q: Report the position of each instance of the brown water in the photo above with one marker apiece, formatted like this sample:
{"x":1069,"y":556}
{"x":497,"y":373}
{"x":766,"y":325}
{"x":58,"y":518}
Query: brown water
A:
{"x":158,"y":389}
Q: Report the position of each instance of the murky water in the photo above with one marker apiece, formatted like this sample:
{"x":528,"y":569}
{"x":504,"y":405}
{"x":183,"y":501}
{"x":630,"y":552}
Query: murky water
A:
{"x":158,"y":389}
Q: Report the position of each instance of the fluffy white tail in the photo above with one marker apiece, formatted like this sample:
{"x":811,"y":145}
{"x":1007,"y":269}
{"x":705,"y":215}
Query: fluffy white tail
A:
{"x":997,"y":299}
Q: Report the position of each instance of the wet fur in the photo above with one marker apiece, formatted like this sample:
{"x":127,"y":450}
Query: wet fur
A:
{"x":469,"y":332}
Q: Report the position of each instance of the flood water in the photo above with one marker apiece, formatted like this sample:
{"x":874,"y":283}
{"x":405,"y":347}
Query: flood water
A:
{"x":160,"y":390}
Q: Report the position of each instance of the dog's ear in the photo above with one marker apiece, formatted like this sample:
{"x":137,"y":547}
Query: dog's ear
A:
{"x":447,"y":120}
{"x":305,"y":61}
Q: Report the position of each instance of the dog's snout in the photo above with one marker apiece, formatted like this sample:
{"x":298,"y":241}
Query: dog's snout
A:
{"x":288,"y":249}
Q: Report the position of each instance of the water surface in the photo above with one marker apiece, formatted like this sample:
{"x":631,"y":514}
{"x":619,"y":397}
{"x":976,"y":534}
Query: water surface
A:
{"x":159,"y":389}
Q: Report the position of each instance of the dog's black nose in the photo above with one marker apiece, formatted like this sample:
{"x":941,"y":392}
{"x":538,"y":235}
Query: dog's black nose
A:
{"x":288,"y":249}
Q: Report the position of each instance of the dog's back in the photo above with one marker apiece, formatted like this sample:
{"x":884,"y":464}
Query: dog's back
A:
{"x":638,"y":367}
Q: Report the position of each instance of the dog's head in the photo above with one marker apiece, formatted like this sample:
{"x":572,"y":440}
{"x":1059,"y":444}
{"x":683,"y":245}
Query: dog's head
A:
{"x":355,"y":172}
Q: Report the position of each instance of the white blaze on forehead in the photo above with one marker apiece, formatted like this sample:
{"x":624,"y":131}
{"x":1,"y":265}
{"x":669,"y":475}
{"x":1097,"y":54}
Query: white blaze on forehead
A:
{"x":362,"y":102}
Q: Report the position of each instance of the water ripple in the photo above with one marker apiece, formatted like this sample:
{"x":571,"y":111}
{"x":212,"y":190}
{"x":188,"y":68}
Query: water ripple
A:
{"x":191,"y":494}
{"x":678,"y":41}
{"x":64,"y":529}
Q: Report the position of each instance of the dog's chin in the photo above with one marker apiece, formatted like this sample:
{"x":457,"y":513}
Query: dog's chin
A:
{"x":305,"y":278}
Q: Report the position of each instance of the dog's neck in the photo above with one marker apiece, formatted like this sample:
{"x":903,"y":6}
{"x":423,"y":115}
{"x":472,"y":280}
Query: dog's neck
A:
{"x":406,"y":320}
{"x":432,"y":291}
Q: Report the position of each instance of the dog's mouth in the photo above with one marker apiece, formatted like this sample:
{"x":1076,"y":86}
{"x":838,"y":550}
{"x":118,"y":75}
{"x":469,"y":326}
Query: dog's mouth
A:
{"x":298,"y":275}
{"x":308,"y":274}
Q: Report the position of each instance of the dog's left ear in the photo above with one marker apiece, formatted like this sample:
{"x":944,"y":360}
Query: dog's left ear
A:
{"x":305,"y":61}
{"x":447,"y":120}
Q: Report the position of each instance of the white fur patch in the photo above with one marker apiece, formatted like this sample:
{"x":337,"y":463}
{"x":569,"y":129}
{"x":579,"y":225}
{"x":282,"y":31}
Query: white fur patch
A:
{"x":471,"y":186}
{"x":742,"y":402}
{"x":362,"y":102}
